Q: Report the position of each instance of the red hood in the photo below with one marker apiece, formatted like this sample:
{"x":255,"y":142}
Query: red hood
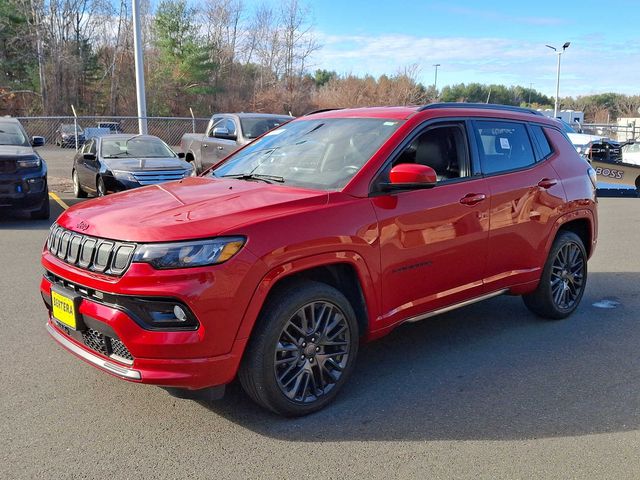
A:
{"x":191,"y":208}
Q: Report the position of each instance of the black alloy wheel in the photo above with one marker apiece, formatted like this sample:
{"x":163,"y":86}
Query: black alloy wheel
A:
{"x":312,"y":352}
{"x":302,"y":350}
{"x":567,"y":276}
{"x":563,"y":279}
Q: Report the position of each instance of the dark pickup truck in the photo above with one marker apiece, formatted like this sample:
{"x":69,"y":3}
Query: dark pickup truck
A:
{"x":226,"y":132}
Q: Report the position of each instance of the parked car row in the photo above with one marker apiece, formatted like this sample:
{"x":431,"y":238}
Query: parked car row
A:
{"x":70,"y":135}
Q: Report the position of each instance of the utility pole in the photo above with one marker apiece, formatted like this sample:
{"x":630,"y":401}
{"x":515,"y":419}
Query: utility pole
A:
{"x":435,"y":80}
{"x":559,"y":53}
{"x":139,"y":65}
{"x":530,"y":88}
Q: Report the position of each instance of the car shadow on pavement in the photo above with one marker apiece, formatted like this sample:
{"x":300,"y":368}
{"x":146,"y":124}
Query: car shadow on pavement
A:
{"x":488,"y":371}
{"x":17,"y":221}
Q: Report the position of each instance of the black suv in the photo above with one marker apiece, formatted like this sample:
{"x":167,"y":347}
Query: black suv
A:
{"x":23,"y":173}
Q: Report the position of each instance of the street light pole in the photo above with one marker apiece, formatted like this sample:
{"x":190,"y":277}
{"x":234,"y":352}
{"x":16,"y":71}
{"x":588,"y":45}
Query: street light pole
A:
{"x":139,"y":67}
{"x":559,"y":53}
{"x":435,"y":80}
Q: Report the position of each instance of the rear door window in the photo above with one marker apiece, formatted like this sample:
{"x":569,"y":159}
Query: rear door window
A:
{"x":503,"y":146}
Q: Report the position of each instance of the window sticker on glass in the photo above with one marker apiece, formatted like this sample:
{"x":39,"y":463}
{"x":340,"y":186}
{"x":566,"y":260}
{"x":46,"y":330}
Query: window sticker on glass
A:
{"x":504,"y":143}
{"x":390,"y":124}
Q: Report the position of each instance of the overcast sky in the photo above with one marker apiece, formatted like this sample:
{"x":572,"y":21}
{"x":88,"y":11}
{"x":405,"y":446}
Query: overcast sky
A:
{"x":488,"y":42}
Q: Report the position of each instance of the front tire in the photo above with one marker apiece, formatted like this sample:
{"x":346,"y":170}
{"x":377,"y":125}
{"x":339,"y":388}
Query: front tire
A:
{"x":101,"y":190}
{"x":77,"y":188}
{"x":563,"y":279}
{"x":302,"y":351}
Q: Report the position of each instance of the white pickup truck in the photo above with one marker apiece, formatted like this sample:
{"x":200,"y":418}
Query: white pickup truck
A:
{"x":226,"y":132}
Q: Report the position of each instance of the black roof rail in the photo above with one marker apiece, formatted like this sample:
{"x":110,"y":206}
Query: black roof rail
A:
{"x":485,"y":106}
{"x":322,"y":110}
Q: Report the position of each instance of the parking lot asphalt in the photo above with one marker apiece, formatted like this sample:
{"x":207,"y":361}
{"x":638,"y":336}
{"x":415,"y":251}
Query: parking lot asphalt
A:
{"x":488,"y":391}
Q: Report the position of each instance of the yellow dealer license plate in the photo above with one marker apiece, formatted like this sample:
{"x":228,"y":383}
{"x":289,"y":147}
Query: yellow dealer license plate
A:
{"x":64,"y":309}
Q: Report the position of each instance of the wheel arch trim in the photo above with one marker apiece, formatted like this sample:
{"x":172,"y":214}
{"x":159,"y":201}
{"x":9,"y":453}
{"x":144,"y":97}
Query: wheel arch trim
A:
{"x":582,"y":214}
{"x":300,"y":265}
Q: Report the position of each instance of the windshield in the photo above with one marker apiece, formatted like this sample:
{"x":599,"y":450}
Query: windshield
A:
{"x":135,"y":147}
{"x":323,"y":154}
{"x":253,"y":127}
{"x":12,"y":134}
{"x":70,"y":129}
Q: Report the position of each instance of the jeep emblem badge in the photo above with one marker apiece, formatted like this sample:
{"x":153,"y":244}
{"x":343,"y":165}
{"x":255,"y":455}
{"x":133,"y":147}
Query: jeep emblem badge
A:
{"x":82,"y":226}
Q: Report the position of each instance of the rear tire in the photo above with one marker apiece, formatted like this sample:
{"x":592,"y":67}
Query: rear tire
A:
{"x":563,"y":279}
{"x":302,"y":350}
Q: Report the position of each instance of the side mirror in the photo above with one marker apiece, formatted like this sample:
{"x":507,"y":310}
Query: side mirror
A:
{"x":221,"y":132}
{"x":37,"y":141}
{"x":89,"y":156}
{"x":181,"y":154}
{"x":411,"y":176}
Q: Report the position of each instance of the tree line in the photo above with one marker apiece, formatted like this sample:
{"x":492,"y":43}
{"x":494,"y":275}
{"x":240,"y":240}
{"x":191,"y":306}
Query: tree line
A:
{"x":214,"y":55}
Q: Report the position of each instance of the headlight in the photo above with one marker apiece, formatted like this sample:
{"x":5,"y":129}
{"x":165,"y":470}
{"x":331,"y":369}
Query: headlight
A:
{"x":29,"y":162}
{"x":124,"y":175}
{"x":188,"y":254}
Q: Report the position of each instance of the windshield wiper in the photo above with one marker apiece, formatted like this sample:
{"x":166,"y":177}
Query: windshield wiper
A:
{"x":119,"y":154}
{"x":256,"y":176}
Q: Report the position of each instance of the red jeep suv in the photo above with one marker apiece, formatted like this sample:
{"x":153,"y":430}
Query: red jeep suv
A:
{"x":332,"y":229}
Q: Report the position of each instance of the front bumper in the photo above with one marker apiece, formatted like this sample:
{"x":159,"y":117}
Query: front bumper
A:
{"x":192,"y":359}
{"x":23,"y":191}
{"x":117,"y":184}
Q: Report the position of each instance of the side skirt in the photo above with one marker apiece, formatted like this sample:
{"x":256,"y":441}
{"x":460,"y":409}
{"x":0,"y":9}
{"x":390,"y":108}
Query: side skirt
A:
{"x":455,"y":306}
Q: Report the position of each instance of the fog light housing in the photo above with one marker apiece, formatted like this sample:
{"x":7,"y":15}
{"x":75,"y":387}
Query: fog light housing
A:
{"x":160,"y":314}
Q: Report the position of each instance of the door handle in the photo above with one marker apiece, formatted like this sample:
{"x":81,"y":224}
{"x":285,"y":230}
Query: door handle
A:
{"x":220,"y":148}
{"x":472,"y":198}
{"x":547,"y":183}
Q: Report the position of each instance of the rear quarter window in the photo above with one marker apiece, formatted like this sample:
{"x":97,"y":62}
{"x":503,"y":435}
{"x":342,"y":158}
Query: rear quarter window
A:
{"x":542,"y":141}
{"x":503,"y":146}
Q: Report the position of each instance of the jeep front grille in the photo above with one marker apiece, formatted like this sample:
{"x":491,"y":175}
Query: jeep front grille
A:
{"x":90,"y":253}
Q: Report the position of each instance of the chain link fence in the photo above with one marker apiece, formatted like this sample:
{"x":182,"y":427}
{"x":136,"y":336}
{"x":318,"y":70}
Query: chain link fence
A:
{"x":615,"y":131}
{"x":169,"y":129}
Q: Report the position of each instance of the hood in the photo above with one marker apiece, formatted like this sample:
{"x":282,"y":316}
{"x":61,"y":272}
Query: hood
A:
{"x":142,"y":164}
{"x":582,"y":139}
{"x":15,"y":150}
{"x":198,"y":207}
